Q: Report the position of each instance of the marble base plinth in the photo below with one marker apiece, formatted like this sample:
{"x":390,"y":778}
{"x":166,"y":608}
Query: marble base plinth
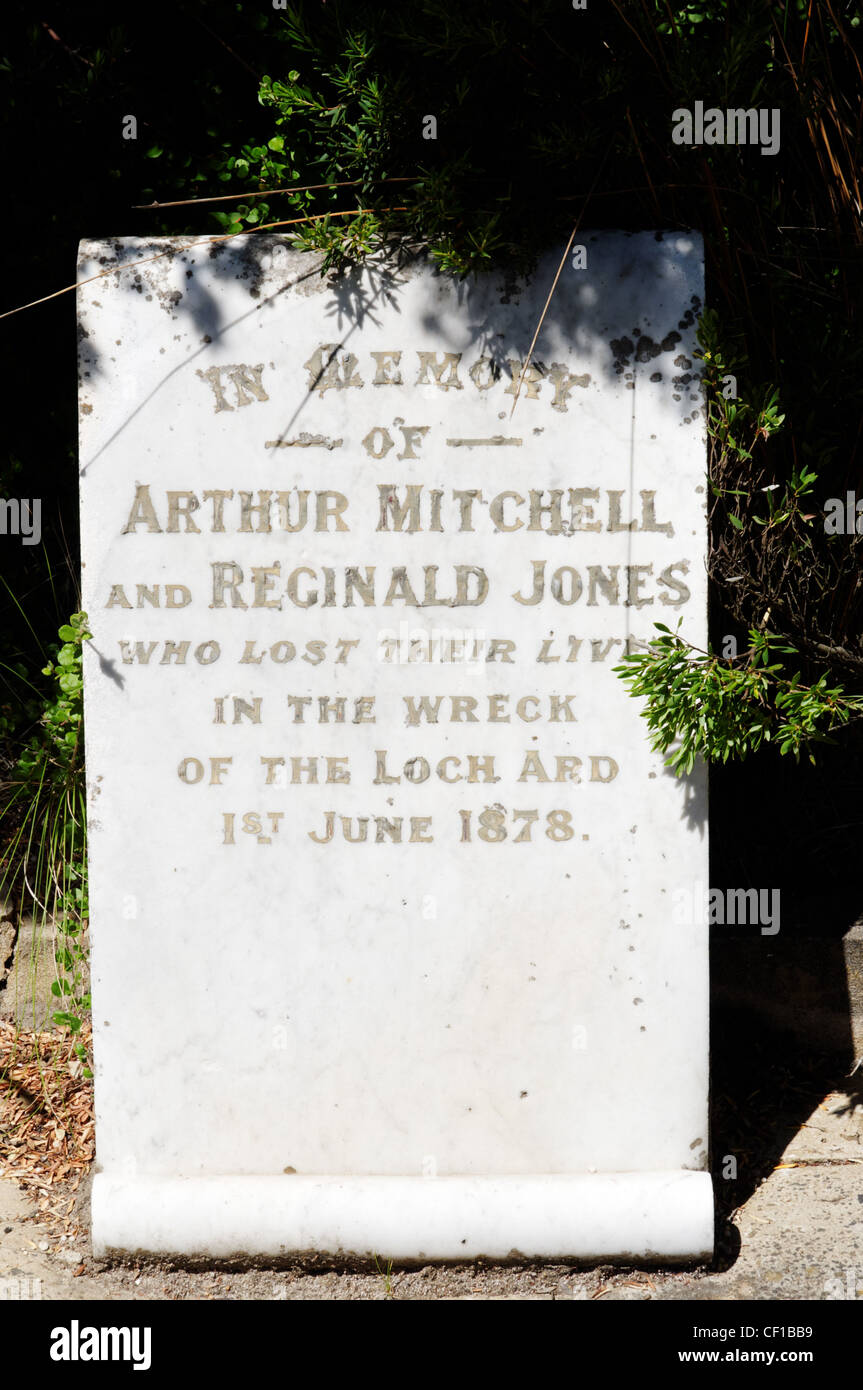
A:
{"x":660,"y":1216}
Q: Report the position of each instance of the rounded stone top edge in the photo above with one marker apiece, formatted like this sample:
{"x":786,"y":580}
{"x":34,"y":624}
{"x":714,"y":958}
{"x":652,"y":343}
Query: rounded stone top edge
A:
{"x":113,"y":247}
{"x":113,"y":251}
{"x":267,"y":263}
{"x":247,"y":249}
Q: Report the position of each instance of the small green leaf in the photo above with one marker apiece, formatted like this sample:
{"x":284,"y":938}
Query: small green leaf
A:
{"x":67,"y":1021}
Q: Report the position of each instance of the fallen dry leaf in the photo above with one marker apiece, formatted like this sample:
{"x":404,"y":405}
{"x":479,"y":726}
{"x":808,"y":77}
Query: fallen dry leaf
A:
{"x":46,"y":1118}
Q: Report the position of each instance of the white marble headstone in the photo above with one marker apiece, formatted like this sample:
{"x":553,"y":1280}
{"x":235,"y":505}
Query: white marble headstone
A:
{"x":383,"y":950}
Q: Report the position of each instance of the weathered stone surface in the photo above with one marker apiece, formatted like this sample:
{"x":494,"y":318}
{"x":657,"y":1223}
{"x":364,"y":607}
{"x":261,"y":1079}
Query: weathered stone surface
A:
{"x":27,"y":971}
{"x":357,"y":756}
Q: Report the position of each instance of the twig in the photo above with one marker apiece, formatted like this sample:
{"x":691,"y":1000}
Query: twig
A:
{"x":643,"y":164}
{"x":202,"y":241}
{"x":227,"y":46}
{"x":635,"y":32}
{"x":263,"y":193}
{"x":553,"y":288}
{"x":56,"y":37}
{"x":526,"y":363}
{"x":414,"y":178}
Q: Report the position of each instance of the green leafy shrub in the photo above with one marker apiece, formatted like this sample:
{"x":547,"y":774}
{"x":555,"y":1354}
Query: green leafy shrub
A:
{"x":44,"y":862}
{"x":701,"y":704}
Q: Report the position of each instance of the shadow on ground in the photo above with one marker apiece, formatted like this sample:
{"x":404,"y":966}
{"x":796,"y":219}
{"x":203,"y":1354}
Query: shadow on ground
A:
{"x":786,"y":1009}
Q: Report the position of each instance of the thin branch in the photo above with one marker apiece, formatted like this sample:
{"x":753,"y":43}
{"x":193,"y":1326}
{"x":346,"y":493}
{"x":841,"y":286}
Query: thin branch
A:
{"x":634,"y":31}
{"x":643,"y":164}
{"x":526,"y":363}
{"x":201,"y":241}
{"x":236,"y":56}
{"x":263,"y":193}
{"x":56,"y":37}
{"x":553,"y":288}
{"x":415,"y":178}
